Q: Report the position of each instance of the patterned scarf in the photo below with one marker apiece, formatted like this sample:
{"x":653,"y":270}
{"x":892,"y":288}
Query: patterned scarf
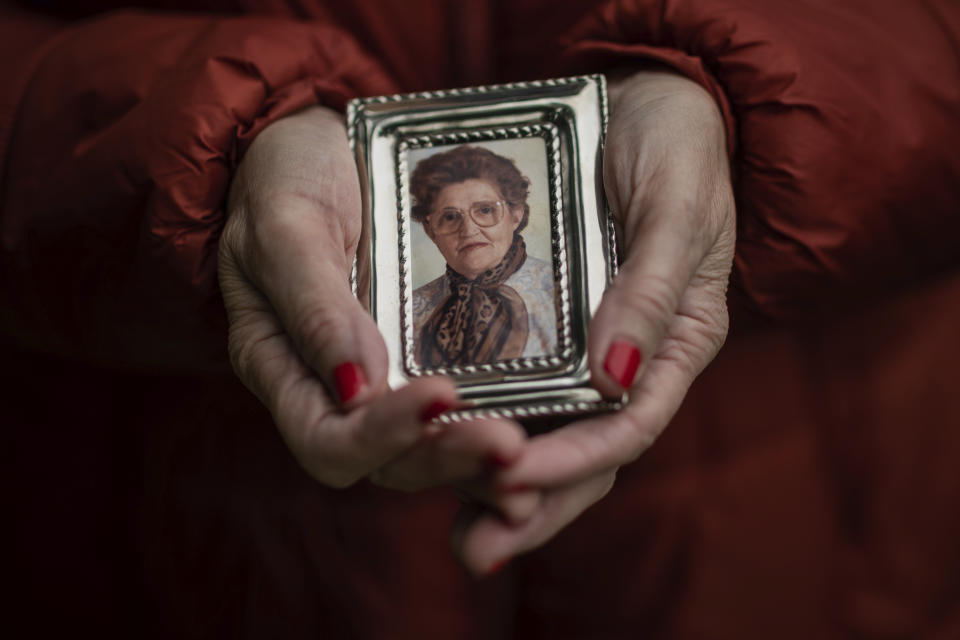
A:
{"x":482,"y":320}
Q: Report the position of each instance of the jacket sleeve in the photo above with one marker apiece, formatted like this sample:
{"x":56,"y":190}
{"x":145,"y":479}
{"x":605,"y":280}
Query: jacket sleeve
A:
{"x":844,"y":131}
{"x":118,"y":138}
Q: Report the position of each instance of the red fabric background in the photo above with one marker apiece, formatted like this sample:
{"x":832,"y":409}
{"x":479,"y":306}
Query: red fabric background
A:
{"x":806,"y":488}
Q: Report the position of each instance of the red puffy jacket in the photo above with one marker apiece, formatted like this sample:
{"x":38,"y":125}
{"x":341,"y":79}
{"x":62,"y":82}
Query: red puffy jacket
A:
{"x":806,"y":488}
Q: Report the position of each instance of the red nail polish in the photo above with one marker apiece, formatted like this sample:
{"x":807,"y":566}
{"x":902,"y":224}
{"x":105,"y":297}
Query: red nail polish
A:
{"x":349,"y":379}
{"x":434,"y":409}
{"x":622,"y":362}
{"x":497,"y":459}
{"x":496,"y":567}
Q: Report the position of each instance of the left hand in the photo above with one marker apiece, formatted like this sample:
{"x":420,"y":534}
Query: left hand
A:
{"x":303,"y":343}
{"x":662,"y":320}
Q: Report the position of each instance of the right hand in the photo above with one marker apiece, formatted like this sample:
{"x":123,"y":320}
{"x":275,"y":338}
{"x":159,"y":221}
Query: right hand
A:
{"x":303,"y":343}
{"x":661,"y":321}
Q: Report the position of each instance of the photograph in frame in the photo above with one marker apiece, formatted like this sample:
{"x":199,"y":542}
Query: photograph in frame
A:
{"x":482,"y":232}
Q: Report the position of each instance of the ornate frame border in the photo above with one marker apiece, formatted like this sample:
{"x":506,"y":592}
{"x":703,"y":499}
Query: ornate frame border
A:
{"x":548,"y":132}
{"x":570,"y":114}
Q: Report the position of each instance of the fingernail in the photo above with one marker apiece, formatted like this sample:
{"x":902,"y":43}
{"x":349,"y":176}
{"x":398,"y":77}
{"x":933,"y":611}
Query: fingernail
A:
{"x":349,"y":379}
{"x":434,"y":409}
{"x":622,"y":362}
{"x":497,"y":459}
{"x":496,"y":567}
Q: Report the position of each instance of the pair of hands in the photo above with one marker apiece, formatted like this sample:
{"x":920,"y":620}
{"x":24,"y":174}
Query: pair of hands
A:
{"x":308,"y":349}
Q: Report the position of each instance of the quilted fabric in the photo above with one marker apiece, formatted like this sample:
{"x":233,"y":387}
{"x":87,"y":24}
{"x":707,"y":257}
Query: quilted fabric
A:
{"x":806,"y":488}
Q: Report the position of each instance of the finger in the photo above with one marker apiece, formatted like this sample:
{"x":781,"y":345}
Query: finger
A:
{"x":392,"y":424}
{"x":332,"y":331}
{"x":585,"y":448}
{"x":669,"y":190}
{"x":457,"y":451}
{"x":335,"y":448}
{"x":294,"y":235}
{"x":637,"y":308}
{"x":484,"y":542}
{"x":340,"y":449}
{"x":514,"y":504}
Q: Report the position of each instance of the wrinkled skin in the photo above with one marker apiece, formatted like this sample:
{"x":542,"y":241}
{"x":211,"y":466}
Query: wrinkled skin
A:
{"x":285,"y":259}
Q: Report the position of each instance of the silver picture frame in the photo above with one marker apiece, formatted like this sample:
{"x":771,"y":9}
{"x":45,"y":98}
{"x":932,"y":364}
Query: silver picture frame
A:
{"x":553,"y":132}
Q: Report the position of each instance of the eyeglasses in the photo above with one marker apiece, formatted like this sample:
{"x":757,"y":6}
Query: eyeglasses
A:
{"x":450,"y":220}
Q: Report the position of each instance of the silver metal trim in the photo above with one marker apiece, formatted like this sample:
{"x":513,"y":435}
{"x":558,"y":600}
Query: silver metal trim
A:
{"x":564,"y":341}
{"x":570,"y":114}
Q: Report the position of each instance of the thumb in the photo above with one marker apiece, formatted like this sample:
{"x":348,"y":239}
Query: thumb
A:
{"x":305,"y":277}
{"x":663,"y":254}
{"x":667,"y":178}
{"x":293,"y":233}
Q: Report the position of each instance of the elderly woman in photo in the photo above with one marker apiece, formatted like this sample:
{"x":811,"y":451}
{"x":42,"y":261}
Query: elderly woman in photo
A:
{"x":495,"y":302}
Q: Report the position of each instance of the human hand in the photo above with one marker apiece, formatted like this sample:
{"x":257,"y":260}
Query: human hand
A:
{"x":303,"y":343}
{"x":661,"y":322}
